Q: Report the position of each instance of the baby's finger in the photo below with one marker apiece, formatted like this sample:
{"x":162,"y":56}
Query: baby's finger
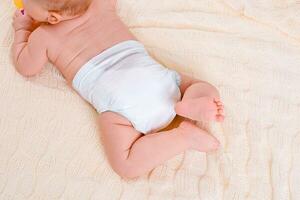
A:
{"x":18,"y":13}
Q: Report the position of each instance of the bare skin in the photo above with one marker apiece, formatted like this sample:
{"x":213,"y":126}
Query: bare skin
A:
{"x":69,"y":42}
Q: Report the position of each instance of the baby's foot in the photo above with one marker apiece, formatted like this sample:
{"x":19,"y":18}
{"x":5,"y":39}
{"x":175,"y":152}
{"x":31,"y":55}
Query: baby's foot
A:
{"x":197,"y":138}
{"x":202,"y":108}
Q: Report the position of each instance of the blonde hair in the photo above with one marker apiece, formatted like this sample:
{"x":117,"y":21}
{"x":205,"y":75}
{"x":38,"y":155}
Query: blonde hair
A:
{"x":66,"y":7}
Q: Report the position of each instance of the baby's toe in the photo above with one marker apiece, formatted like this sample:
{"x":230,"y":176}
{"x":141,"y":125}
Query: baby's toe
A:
{"x":216,"y":100}
{"x":219,"y":103}
{"x":213,"y":113}
{"x":220,"y":118}
{"x":220,"y":107}
{"x":220,"y":111}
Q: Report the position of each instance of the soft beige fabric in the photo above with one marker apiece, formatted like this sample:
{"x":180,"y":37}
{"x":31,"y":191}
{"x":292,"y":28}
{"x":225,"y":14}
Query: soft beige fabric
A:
{"x":49,"y":144}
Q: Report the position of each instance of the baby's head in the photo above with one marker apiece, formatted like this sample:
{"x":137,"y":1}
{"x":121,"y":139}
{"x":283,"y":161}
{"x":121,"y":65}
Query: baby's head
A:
{"x":55,"y":11}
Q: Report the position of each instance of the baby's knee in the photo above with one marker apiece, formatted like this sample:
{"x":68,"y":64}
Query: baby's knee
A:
{"x":125,"y":170}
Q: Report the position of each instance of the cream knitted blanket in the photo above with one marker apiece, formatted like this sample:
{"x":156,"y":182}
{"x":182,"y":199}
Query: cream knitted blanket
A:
{"x":250,"y":50}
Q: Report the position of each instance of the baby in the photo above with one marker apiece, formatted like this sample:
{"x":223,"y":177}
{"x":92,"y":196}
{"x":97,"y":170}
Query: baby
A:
{"x":135,"y":96}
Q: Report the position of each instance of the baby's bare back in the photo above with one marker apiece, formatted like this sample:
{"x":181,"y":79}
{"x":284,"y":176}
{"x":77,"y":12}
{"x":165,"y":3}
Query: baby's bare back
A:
{"x":74,"y":42}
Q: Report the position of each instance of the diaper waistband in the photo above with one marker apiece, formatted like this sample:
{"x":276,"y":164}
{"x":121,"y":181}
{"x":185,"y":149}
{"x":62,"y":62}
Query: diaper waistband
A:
{"x":122,"y":48}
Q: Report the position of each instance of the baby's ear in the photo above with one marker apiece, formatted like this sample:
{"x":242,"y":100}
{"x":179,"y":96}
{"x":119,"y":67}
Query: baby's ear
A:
{"x":54,"y":17}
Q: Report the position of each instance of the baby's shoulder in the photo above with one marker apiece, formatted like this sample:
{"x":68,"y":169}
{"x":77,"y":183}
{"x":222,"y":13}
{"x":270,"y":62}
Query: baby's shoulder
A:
{"x":44,"y":35}
{"x":45,"y":29}
{"x":41,"y":32}
{"x":47,"y":32}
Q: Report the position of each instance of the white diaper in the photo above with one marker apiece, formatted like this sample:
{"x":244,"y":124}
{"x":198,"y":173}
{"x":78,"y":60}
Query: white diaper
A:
{"x":124,"y":79}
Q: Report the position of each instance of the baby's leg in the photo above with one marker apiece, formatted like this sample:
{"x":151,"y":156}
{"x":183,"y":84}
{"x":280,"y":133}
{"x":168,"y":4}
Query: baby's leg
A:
{"x":132,"y":154}
{"x":201,"y":100}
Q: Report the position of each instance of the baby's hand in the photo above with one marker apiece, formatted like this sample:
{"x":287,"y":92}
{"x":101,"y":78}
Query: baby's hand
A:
{"x":21,"y":21}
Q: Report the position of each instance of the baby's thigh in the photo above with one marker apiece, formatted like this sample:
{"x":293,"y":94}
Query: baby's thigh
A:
{"x":117,"y":134}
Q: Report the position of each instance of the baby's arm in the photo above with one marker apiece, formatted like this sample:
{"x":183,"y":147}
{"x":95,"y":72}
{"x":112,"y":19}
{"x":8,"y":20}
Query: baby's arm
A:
{"x":29,"y":48}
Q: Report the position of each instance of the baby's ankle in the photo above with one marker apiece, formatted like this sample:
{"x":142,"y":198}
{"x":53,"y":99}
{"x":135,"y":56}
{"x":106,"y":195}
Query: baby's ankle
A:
{"x":186,"y":133}
{"x":197,"y":139}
